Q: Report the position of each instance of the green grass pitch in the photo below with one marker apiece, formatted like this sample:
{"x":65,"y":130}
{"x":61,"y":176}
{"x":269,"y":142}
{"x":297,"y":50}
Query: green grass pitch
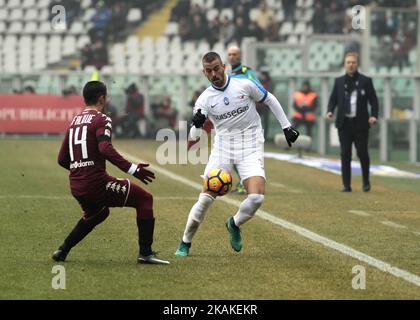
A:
{"x":37,"y":212}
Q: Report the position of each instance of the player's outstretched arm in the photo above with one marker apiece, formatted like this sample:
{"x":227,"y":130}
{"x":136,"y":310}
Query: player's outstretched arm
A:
{"x":103,"y":135}
{"x":137,"y":170}
{"x":64,"y":154}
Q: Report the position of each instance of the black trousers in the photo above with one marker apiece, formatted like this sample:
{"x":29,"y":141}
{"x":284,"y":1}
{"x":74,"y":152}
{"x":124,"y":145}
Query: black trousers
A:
{"x":349,"y":134}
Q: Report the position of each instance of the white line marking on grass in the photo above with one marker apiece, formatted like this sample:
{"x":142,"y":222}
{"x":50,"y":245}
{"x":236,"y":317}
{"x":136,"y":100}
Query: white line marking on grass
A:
{"x":393,"y":211}
{"x":34,"y":196}
{"x":176,"y":198}
{"x":393,"y":224}
{"x":281,"y":185}
{"x":360,"y":213}
{"x":381,"y":265}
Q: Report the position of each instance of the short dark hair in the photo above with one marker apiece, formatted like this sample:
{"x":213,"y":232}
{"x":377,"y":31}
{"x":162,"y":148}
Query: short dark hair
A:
{"x":92,"y":91}
{"x":211,"y":56}
{"x":352,"y":54}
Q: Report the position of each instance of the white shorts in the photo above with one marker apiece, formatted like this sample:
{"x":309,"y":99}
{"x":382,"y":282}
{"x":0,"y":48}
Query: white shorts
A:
{"x":250,"y":166}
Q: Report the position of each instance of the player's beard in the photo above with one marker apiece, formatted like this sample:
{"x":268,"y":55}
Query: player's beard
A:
{"x":218,"y":81}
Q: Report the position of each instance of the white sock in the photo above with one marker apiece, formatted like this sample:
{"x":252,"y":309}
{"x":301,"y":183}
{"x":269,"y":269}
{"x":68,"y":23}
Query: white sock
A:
{"x":196,"y":216}
{"x":248,"y":208}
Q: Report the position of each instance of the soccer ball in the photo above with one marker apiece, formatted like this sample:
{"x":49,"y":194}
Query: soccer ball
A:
{"x":219,"y":181}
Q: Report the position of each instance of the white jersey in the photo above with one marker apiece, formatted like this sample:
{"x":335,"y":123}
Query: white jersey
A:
{"x":233,"y":112}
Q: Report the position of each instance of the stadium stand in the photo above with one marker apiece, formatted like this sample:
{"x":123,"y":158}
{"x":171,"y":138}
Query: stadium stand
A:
{"x":105,"y":34}
{"x":108,"y":35}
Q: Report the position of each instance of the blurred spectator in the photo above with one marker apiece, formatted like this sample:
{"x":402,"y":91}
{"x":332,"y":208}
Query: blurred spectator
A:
{"x":197,"y":10}
{"x":289,"y":7}
{"x":334,"y":19}
{"x":117,"y":125}
{"x":272,"y":32}
{"x":214,"y":30}
{"x":318,"y":19}
{"x":227,"y":31}
{"x":263,"y":16}
{"x":87,"y":56}
{"x":402,"y":43}
{"x":118,"y":21}
{"x":238,"y":70}
{"x":135,"y":123}
{"x":28,"y":90}
{"x":99,"y":54}
{"x":381,"y":55}
{"x":240,"y":12}
{"x":240,"y":31}
{"x":70,"y":91}
{"x":199,"y":28}
{"x":305,"y":103}
{"x":181,"y":10}
{"x":73,"y":11}
{"x":255,"y":31}
{"x":194,"y":98}
{"x":100,"y":22}
{"x":184,"y":28}
{"x":165,"y":111}
{"x":112,"y":112}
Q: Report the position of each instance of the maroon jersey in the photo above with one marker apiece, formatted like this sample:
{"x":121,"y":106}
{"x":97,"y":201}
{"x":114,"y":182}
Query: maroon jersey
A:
{"x":85,"y":149}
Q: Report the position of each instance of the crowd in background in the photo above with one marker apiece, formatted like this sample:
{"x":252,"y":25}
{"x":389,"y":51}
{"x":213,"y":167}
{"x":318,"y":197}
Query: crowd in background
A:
{"x":396,"y":35}
{"x":193,"y":23}
{"x":109,"y":25}
{"x":330,"y":17}
{"x":134,"y":123}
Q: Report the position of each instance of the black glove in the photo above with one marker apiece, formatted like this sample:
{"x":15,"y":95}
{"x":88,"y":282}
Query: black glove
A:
{"x":291,"y":135}
{"x":143,"y":174}
{"x":198,"y":119}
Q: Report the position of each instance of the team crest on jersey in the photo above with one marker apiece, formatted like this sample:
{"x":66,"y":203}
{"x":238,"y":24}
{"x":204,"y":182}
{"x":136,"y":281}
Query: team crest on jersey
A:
{"x":226,"y":100}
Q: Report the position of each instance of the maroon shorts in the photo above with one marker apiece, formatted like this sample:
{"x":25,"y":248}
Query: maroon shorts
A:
{"x":116,"y":193}
{"x":113,"y":194}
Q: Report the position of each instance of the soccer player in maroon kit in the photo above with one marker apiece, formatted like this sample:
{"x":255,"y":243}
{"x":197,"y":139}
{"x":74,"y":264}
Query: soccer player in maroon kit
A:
{"x":84,"y":150}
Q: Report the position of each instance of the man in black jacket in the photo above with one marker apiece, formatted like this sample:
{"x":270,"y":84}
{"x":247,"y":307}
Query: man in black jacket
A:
{"x":351,"y":94}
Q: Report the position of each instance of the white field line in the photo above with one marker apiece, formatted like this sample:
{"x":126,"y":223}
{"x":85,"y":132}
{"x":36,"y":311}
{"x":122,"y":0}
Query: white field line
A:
{"x":381,"y":265}
{"x":393,"y":211}
{"x":281,"y":185}
{"x":35,"y":196}
{"x":360,"y":213}
{"x":393,"y":224}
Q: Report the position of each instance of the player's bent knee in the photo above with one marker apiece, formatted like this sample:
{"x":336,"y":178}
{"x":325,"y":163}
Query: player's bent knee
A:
{"x":147,"y":197}
{"x":198,"y":211}
{"x":256,"y":199}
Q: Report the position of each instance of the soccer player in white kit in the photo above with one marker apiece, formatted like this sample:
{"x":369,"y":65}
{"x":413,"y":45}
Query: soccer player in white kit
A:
{"x":230,"y":104}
